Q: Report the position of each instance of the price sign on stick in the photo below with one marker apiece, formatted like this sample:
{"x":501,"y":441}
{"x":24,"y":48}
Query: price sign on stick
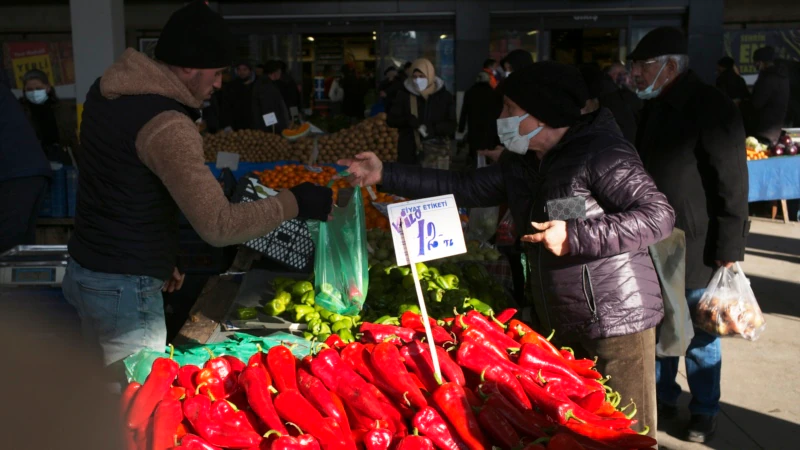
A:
{"x":424,"y":230}
{"x":270,"y":119}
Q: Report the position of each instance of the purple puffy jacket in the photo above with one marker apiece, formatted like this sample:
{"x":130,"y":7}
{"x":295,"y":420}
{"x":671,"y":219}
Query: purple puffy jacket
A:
{"x":606,"y":286}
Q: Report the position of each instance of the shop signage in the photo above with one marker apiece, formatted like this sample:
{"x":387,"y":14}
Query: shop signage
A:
{"x":741,"y":44}
{"x":427,"y":229}
{"x":52,"y":58}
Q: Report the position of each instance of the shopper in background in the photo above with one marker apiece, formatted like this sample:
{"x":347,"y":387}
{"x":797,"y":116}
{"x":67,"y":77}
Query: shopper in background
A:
{"x":289,"y":90}
{"x":43,"y":109}
{"x":24,"y":174}
{"x":267,"y":99}
{"x":691,"y":141}
{"x":730,"y":82}
{"x":490,"y":67}
{"x":237,"y":106}
{"x":388,"y":87}
{"x":771,"y":95}
{"x":259,"y":70}
{"x":603,"y":92}
{"x":355,"y":90}
{"x":591,"y":277}
{"x":479,"y":112}
{"x":141,"y":164}
{"x":516,"y":60}
{"x":423,"y":108}
{"x":620,"y":75}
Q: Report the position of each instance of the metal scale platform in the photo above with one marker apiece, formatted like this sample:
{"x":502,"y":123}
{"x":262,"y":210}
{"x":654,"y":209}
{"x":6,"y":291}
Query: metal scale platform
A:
{"x":33,"y":265}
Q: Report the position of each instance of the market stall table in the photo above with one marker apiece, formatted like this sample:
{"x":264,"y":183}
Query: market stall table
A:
{"x":775,"y":178}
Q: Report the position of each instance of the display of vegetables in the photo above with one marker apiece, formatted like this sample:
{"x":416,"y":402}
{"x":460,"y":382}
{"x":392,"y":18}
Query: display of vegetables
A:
{"x":372,"y":135}
{"x":251,"y":145}
{"x":502,"y":385}
{"x":380,"y":241}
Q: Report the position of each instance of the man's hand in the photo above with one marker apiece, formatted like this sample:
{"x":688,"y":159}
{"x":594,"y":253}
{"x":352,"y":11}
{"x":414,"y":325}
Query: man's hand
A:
{"x":365,"y":169}
{"x":725,"y":264}
{"x":553,"y":235}
{"x":175,"y":282}
{"x":493,"y":155}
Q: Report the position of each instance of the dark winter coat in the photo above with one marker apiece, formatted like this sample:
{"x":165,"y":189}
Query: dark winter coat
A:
{"x":691,"y":141}
{"x":623,"y":104}
{"x":437,"y":113}
{"x":267,"y":99}
{"x":606,"y":286}
{"x":237,"y":105}
{"x":733,"y":85}
{"x":770,"y":100}
{"x":482,"y":106}
{"x":21,"y":153}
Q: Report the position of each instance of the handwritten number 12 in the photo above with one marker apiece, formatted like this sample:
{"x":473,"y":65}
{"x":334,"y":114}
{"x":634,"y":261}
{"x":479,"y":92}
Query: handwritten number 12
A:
{"x":431,"y":233}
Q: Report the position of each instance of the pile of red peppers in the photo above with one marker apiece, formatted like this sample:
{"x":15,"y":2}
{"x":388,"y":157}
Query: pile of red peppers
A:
{"x":503,"y":385}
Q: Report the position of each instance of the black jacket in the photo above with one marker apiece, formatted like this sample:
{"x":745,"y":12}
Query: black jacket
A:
{"x":437,"y":113}
{"x":237,"y":105}
{"x":21,"y":153}
{"x":482,"y":106}
{"x":606,"y":286}
{"x":691,"y":140}
{"x":770,"y":102}
{"x":733,"y":85}
{"x":355,"y":90}
{"x":267,"y":99}
{"x":625,"y":106}
{"x":391,"y":88}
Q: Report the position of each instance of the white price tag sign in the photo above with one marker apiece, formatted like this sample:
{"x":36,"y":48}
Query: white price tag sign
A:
{"x":429,"y":228}
{"x":227,"y":159}
{"x":270,"y":119}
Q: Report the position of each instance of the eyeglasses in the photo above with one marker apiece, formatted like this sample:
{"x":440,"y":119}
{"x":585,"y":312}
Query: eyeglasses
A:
{"x":641,"y":64}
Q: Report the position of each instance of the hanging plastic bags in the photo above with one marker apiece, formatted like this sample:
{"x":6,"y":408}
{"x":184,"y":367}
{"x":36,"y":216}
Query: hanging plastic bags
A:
{"x":729,"y":307}
{"x":340,"y":264}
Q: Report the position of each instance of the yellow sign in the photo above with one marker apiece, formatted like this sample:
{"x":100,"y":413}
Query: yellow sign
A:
{"x":26,"y":63}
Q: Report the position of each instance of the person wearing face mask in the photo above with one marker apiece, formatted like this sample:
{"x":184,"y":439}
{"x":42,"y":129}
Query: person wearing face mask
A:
{"x":587,"y":209}
{"x":44,"y":111}
{"x":691,"y":141}
{"x":424,"y":112}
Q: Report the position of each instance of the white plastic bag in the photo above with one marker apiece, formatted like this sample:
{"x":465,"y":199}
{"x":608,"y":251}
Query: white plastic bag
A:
{"x":729,"y":307}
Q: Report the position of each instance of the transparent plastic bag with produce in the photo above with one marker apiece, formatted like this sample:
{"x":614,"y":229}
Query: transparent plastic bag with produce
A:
{"x":729,"y":307}
{"x":341,"y":264}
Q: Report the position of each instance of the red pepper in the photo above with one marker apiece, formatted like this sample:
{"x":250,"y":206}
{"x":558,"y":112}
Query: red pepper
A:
{"x":517,"y":329}
{"x":186,"y":378}
{"x":192,"y":442}
{"x":540,"y":341}
{"x":229,"y":415}
{"x":417,"y":358}
{"x":431,"y":424}
{"x":258,"y":358}
{"x":387,"y":362}
{"x":257,"y":385}
{"x":452,"y":401}
{"x":378,"y":439}
{"x":282,"y":367}
{"x":308,"y":441}
{"x":377,"y":333}
{"x":529,"y":423}
{"x":475,"y":358}
{"x":237,"y":366}
{"x":412,"y":320}
{"x":593,"y":401}
{"x":154,"y":389}
{"x":505,"y":315}
{"x":182,"y":429}
{"x":451,"y":371}
{"x":198,"y":410}
{"x":479,"y":337}
{"x":127,"y":397}
{"x":498,"y":427}
{"x":536,"y":358}
{"x":335,"y":342}
{"x":314,"y":390}
{"x":293,"y":407}
{"x":257,"y":424}
{"x":479,"y":321}
{"x":222,"y":370}
{"x":357,"y":356}
{"x":176,"y":392}
{"x":209,"y":384}
{"x":283,"y":441}
{"x":168,"y":416}
{"x":414,"y":443}
{"x":563,"y":441}
{"x":616,"y":438}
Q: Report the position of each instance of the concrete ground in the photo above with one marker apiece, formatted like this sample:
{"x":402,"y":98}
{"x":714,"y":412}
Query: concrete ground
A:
{"x":760,"y":385}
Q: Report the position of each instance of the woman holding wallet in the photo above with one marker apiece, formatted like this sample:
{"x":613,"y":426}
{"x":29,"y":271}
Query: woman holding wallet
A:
{"x":592,"y":211}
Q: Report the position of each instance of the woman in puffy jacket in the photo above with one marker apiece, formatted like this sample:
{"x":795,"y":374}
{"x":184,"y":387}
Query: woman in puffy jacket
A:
{"x":592,"y":210}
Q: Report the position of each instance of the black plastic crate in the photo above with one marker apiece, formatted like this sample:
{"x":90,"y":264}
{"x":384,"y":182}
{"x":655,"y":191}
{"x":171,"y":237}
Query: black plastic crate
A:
{"x":197,"y":256}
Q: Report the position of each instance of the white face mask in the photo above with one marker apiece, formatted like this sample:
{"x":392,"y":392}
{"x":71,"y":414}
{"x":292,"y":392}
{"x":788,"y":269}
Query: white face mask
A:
{"x":648,"y":92}
{"x":422,"y":83}
{"x":508,"y":132}
{"x":37,"y":96}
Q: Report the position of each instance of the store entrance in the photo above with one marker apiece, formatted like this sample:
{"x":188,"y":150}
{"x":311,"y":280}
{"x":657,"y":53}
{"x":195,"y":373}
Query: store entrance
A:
{"x":579,"y":46}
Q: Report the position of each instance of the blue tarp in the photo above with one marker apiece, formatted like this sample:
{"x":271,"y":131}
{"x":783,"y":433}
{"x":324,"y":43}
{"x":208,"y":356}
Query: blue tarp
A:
{"x":774,"y":178}
{"x":246,"y":167}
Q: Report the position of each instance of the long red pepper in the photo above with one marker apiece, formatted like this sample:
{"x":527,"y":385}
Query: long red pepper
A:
{"x":335,"y":342}
{"x":315,"y":391}
{"x":414,"y":443}
{"x":186,"y":378}
{"x":222,"y":370}
{"x":387,"y":362}
{"x":431,"y":424}
{"x":517,"y":329}
{"x":412,"y":320}
{"x":257,"y":384}
{"x":156,"y":385}
{"x":480,"y":338}
{"x":167,"y":417}
{"x":356,"y":356}
{"x":283,"y":441}
{"x":563,"y":441}
{"x":282,"y":367}
{"x":208,"y":383}
{"x":535,"y":358}
{"x":540,"y":341}
{"x":479,"y":321}
{"x":377,"y":333}
{"x":293,"y":407}
{"x":198,"y":410}
{"x":127,"y":397}
{"x":505,"y":315}
{"x":379,"y":439}
{"x":414,"y":358}
{"x":192,"y":442}
{"x":498,"y":427}
{"x":616,"y":438}
{"x":529,"y":423}
{"x":452,"y":401}
{"x":475,"y":358}
{"x":450,"y":370}
{"x":237,"y":366}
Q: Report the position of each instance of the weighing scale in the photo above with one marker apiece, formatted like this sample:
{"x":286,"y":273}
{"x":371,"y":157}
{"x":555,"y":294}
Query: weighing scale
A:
{"x":33,"y":265}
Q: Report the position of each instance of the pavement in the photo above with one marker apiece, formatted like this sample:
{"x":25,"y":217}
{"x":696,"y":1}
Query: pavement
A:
{"x":760,"y":387}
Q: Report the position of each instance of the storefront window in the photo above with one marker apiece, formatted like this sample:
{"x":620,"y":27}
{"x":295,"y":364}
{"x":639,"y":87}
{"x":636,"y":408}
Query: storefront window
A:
{"x":438,"y":47}
{"x":504,"y":41}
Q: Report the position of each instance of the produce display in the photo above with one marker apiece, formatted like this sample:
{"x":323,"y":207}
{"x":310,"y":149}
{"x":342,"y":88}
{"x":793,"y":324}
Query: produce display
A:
{"x":251,"y":145}
{"x":785,"y":146}
{"x":756,"y":150}
{"x":502,"y":386}
{"x":369,"y":135}
{"x":380,"y":241}
{"x":296,"y":131}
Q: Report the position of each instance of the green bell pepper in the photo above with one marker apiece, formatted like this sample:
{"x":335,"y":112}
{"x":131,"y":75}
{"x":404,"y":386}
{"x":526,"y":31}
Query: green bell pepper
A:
{"x":274,"y":308}
{"x":405,"y":270}
{"x":387,"y":320}
{"x":283,"y":297}
{"x":301,"y":287}
{"x":324,"y":313}
{"x":479,"y":306}
{"x":246,"y":313}
{"x":307,"y":336}
{"x":279,"y":284}
{"x":343,"y":324}
{"x":314,"y":326}
{"x":422,"y":270}
{"x":433,"y":272}
{"x":408,"y":307}
{"x":408,"y":282}
{"x":442,"y":283}
{"x":346,"y":336}
{"x":312,"y":316}
{"x":436,"y":295}
{"x":301,"y":311}
{"x":451,"y":280}
{"x":324,"y":329}
{"x":308,"y":298}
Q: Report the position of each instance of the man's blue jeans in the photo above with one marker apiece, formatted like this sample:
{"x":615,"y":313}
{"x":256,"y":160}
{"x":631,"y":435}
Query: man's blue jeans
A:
{"x":703,"y":369}
{"x":121,"y":313}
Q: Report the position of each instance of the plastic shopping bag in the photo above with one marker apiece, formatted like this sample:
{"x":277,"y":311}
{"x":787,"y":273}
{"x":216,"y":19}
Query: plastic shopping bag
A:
{"x":729,"y":307}
{"x":340,"y":264}
{"x":506,"y":231}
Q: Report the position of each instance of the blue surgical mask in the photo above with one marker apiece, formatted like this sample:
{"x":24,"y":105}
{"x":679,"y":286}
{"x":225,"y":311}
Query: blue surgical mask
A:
{"x":37,"y":96}
{"x":648,"y":92}
{"x":508,"y":132}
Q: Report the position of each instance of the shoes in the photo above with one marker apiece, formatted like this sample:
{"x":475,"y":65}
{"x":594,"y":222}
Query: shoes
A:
{"x":667,"y":412}
{"x":701,"y":428}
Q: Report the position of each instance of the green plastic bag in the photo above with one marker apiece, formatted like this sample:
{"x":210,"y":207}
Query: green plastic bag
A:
{"x":341,"y":268}
{"x":242,"y":346}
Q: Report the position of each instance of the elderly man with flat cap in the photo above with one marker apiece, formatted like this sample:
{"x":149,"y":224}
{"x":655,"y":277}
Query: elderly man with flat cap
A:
{"x":691,"y":141}
{"x":141,"y":164}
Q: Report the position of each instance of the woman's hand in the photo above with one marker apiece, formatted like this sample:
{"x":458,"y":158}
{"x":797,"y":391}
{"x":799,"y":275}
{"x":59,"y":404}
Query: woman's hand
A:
{"x":365,"y":169}
{"x":553,"y":235}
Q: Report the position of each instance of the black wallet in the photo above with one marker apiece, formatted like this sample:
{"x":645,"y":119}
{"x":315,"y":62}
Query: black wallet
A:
{"x":566,"y":208}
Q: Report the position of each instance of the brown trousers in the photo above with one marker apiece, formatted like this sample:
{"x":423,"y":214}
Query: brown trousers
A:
{"x":630,"y":360}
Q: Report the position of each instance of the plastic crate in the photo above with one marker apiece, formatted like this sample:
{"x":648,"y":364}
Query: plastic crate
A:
{"x":72,"y":190}
{"x":290,"y":244}
{"x":197,"y":256}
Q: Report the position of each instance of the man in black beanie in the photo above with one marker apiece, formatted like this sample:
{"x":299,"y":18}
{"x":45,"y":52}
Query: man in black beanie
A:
{"x":588,"y":211}
{"x":142,"y":163}
{"x":730,"y":82}
{"x":691,"y":141}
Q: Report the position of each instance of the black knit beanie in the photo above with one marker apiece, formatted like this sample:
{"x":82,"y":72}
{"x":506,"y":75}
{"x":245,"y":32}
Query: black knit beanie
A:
{"x":195,"y":37}
{"x":550,"y":91}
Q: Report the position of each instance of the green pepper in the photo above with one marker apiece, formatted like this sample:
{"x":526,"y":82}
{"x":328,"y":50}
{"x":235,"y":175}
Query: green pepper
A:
{"x":451,"y":280}
{"x":324,"y":329}
{"x":333,"y":318}
{"x":451,"y":269}
{"x":387,"y":320}
{"x":246,"y":313}
{"x":436,"y":295}
{"x":314,"y":326}
{"x":322,"y":337}
{"x":346,"y":336}
{"x":408,"y":307}
{"x":343,"y":324}
{"x":311,"y":316}
{"x":408,"y":282}
{"x":324,"y":313}
{"x":283,"y":297}
{"x":307,"y":336}
{"x":300,"y":311}
{"x":274,"y":308}
{"x":281,"y":283}
{"x":433,"y":272}
{"x":308,"y":298}
{"x":442,"y":283}
{"x":480,"y":306}
{"x":301,"y":287}
{"x":476,"y":274}
{"x":422,"y":269}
